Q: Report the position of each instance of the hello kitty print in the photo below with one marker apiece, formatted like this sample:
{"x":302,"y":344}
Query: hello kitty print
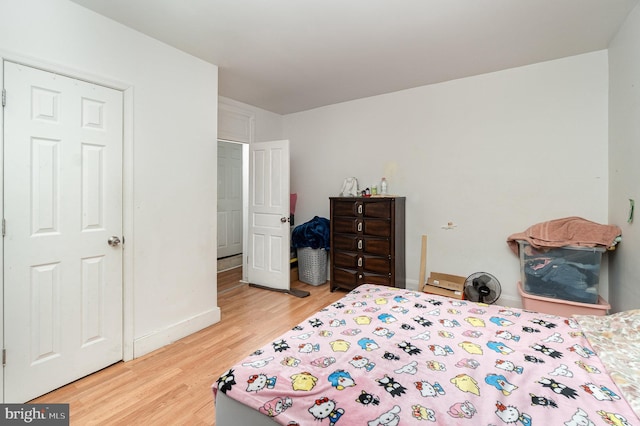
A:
{"x":387,"y":356}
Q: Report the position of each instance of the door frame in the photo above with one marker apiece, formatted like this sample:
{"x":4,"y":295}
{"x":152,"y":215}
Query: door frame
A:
{"x":237,"y":125}
{"x":127,"y":90}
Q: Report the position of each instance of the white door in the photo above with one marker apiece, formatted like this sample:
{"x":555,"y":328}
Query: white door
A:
{"x":269,"y":234}
{"x":63,"y":202}
{"x":229,"y":199}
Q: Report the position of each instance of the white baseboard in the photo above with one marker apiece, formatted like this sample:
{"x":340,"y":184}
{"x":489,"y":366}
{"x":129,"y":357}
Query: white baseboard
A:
{"x":152,"y":341}
{"x":511,"y":301}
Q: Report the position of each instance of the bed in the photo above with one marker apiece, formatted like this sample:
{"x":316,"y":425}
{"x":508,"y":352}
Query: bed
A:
{"x":387,"y":356}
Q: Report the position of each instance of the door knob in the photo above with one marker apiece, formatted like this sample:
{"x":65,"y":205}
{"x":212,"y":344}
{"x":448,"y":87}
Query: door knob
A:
{"x":284,"y":219}
{"x":113,"y":241}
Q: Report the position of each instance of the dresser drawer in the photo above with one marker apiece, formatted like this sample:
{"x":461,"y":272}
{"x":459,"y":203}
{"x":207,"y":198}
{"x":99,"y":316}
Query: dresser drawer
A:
{"x":347,"y":208}
{"x":351,"y":279}
{"x":376,"y":279}
{"x":347,"y":225}
{"x":366,"y":208}
{"x":343,"y":259}
{"x":377,"y":227}
{"x":373,"y":245}
{"x":348,"y":242}
{"x":377,"y":246}
{"x":378,"y":264}
{"x":364,"y":263}
{"x":374,"y":227}
{"x":378,"y":209}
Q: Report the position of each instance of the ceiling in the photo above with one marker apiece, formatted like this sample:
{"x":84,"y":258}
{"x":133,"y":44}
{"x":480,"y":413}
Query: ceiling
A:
{"x":287,"y":56}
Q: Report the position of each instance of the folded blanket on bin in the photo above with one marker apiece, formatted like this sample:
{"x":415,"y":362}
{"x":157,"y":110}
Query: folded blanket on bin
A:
{"x":314,"y":234}
{"x":568,"y":231}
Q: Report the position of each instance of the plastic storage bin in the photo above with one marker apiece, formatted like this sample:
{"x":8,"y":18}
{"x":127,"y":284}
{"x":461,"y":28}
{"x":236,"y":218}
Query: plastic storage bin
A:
{"x":567,"y":273}
{"x":564,"y":308}
{"x":312,"y":265}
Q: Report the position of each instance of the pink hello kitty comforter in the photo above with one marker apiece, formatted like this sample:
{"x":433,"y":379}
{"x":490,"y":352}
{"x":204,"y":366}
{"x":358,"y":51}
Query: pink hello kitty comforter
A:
{"x":387,"y":356}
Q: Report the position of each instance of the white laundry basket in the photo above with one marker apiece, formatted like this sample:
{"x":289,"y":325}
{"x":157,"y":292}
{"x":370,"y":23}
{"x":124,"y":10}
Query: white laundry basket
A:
{"x":312,"y":265}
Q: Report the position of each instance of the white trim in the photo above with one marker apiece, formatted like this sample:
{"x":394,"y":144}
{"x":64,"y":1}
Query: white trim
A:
{"x":225,"y":107}
{"x":2,"y":210}
{"x":63,"y":70}
{"x":230,"y":118}
{"x":128,"y":298}
{"x":127,"y":188}
{"x":177,"y":331}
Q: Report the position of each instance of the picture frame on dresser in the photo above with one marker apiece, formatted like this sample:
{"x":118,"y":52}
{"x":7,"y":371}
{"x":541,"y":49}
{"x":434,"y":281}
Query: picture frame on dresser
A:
{"x":367,"y":241}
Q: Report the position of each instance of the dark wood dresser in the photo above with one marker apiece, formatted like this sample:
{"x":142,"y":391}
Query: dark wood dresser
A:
{"x":367,"y":241}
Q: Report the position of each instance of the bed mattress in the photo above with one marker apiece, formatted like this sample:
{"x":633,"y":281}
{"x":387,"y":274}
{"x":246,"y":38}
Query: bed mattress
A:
{"x":387,"y":356}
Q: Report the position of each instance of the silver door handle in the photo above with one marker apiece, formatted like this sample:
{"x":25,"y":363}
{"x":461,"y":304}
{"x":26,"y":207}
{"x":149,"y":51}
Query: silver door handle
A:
{"x":284,"y":219}
{"x":114,"y":241}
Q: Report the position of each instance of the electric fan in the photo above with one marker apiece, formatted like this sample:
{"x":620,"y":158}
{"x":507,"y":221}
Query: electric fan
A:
{"x":482,"y":287}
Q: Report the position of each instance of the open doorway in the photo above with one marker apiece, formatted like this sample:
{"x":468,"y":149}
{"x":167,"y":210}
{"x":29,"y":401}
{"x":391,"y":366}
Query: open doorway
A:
{"x":266,"y":181}
{"x":232,"y":203}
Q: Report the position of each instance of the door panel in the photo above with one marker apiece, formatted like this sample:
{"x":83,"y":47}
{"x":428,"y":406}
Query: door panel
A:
{"x":269,"y":231}
{"x":63,"y":201}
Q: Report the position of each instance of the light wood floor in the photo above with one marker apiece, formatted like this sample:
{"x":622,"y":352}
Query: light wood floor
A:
{"x":172,"y":386}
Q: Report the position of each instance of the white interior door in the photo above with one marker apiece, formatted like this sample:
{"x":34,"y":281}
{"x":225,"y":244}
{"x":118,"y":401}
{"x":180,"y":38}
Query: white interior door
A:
{"x":229,"y":199}
{"x":63,"y":202}
{"x":269,"y":233}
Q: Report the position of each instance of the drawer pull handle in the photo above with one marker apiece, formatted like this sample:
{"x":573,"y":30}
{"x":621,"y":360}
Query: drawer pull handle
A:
{"x":359,"y":226}
{"x":359,"y":262}
{"x":359,"y":208}
{"x":359,"y":244}
{"x":359,"y":276}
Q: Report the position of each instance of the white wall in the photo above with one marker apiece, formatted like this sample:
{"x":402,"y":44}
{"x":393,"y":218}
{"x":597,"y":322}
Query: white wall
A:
{"x":624,"y":152}
{"x":494,"y":154}
{"x":173,"y":187}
